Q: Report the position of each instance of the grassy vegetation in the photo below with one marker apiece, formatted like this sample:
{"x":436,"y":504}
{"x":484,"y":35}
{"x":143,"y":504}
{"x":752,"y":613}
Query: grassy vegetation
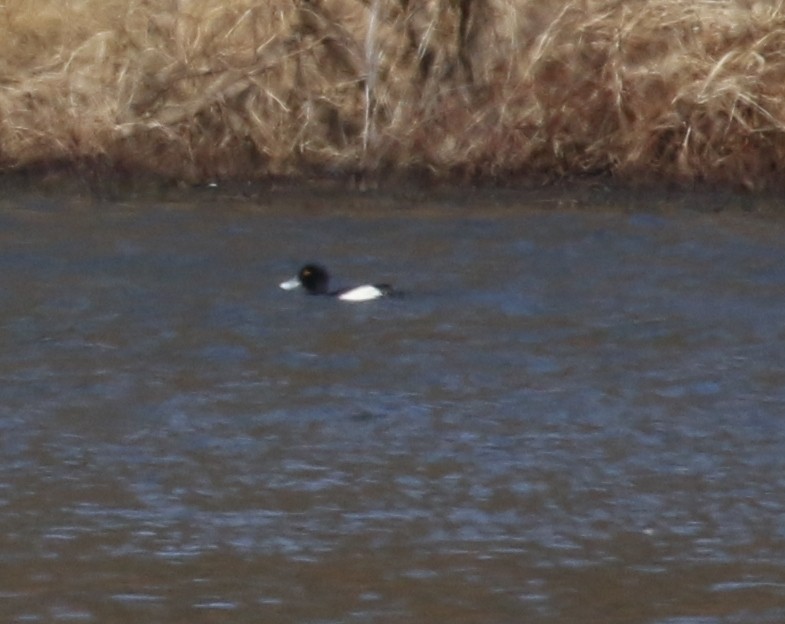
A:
{"x":497,"y":90}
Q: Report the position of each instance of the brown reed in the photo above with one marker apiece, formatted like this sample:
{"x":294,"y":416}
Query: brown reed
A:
{"x":469,"y":90}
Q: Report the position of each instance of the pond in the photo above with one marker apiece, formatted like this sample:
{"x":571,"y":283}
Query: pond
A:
{"x":567,"y":415}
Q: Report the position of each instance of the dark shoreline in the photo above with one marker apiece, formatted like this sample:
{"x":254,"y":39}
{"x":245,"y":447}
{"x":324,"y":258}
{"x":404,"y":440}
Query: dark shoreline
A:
{"x":358,"y":194}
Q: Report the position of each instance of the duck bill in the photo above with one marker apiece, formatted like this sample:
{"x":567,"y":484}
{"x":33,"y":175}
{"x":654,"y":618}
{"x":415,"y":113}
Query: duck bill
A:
{"x":290,"y":284}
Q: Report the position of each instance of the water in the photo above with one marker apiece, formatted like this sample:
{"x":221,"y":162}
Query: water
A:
{"x":567,"y":417}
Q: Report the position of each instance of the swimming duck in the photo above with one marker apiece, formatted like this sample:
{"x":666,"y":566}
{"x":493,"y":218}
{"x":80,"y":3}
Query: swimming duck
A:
{"x":315,"y":279}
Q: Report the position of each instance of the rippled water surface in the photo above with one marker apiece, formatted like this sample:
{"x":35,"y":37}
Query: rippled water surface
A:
{"x":569,"y":416}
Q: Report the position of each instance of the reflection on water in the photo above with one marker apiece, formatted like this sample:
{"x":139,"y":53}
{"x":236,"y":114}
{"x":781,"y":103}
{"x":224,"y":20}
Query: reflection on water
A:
{"x":568,"y":417}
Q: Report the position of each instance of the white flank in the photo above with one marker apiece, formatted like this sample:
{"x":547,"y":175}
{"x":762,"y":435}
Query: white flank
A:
{"x":361,"y":293}
{"x":290,"y":284}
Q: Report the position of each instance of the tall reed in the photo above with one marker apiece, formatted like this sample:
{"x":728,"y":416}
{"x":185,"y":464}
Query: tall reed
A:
{"x":494,"y":90}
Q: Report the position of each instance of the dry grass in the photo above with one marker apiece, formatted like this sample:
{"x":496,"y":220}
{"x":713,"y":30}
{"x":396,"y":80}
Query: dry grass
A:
{"x":647,"y":91}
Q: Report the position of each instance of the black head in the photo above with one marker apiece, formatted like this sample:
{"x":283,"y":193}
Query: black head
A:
{"x":314,"y":278}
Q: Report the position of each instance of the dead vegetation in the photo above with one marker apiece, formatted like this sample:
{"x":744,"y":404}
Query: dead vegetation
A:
{"x":643,"y":90}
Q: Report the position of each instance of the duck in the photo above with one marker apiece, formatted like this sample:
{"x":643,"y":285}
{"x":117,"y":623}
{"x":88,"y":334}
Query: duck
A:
{"x":315,"y":280}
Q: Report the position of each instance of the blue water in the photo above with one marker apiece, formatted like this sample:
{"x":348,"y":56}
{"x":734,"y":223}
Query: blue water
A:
{"x":567,"y":416}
